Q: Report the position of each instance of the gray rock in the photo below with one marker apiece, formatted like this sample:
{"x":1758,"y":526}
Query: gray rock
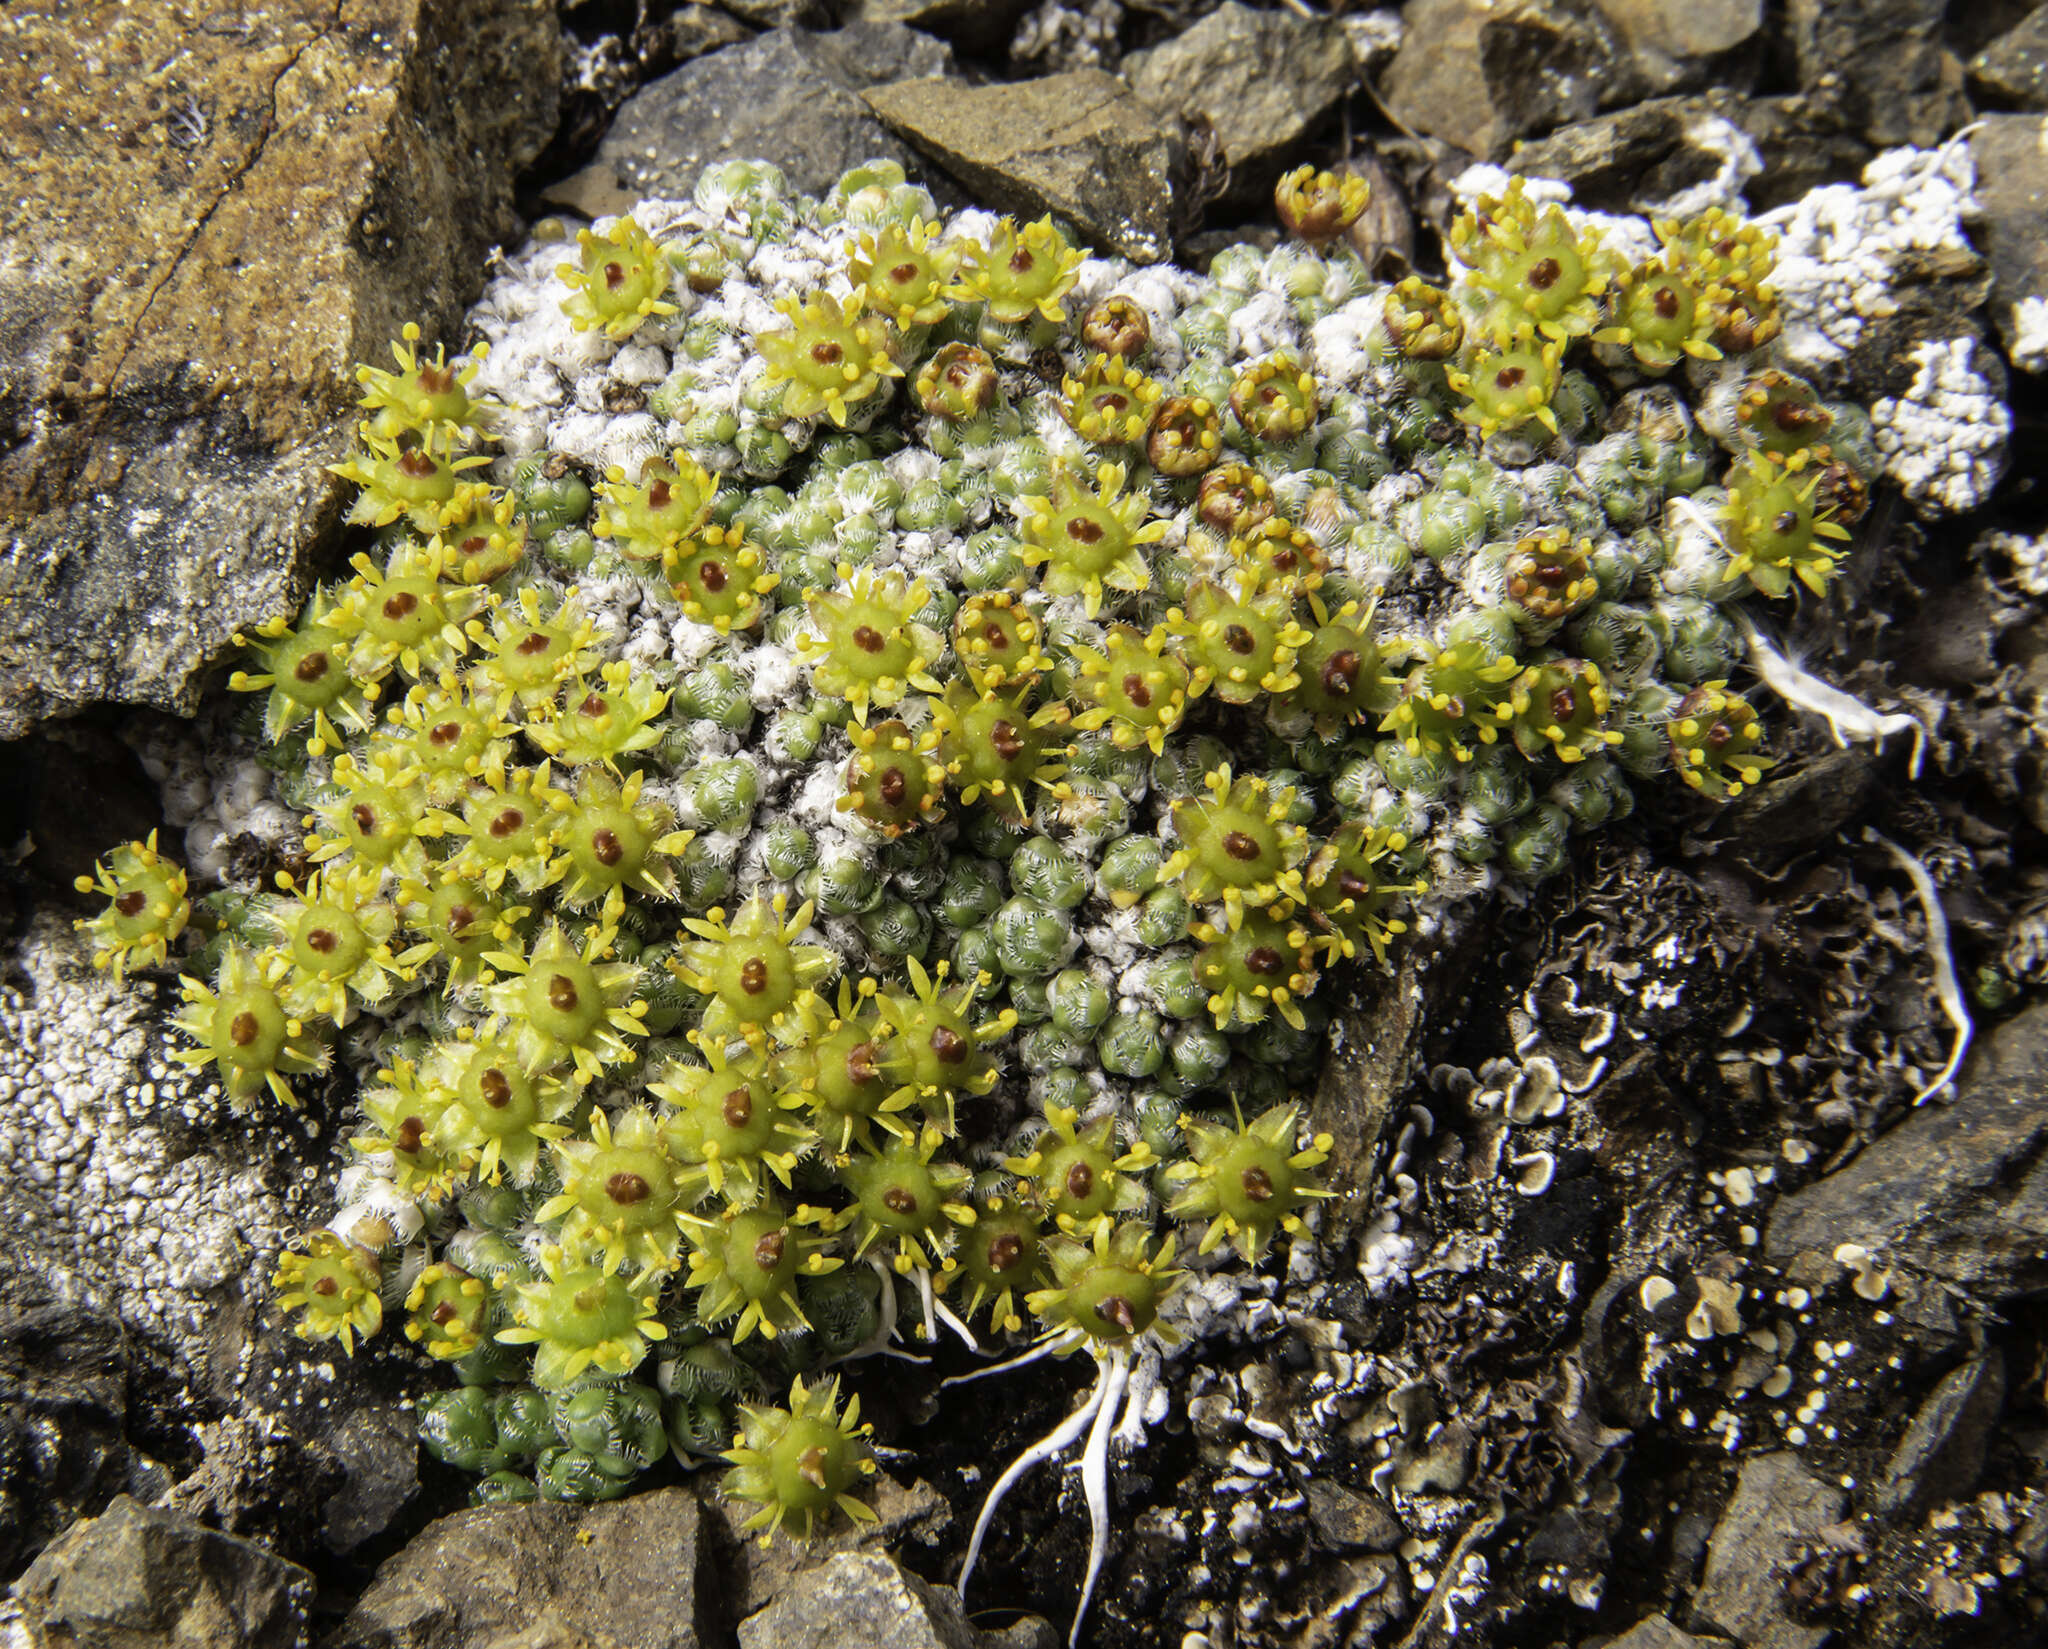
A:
{"x":978,"y":25}
{"x":1481,"y":73}
{"x":137,"y":1577}
{"x":378,"y":1448}
{"x":1777,"y":1511}
{"x":1348,"y":1520}
{"x":63,"y":1402}
{"x":1657,"y":1632}
{"x":1259,"y":79}
{"x":1636,"y":158}
{"x":1368,"y":1065}
{"x":635,"y":1574}
{"x":1078,"y":145}
{"x":1957,"y":1192}
{"x":1883,"y":63}
{"x":1673,"y":38}
{"x":176,"y":370}
{"x":2012,"y":189}
{"x":2013,"y":70}
{"x":792,"y":97}
{"x":1803,"y":144}
{"x":1942,"y":1453}
{"x":752,"y":1576}
{"x":860,"y":1598}
{"x":1790,"y":813}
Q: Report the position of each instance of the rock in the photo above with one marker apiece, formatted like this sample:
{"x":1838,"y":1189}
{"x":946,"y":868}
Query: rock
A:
{"x":1259,"y":79}
{"x":1791,"y":812}
{"x":1078,"y":145}
{"x":63,"y":1404}
{"x":1957,"y":1192}
{"x":1942,"y":1452}
{"x":207,"y":228}
{"x":778,"y":14}
{"x":2012,"y":72}
{"x":977,"y":25}
{"x":1350,"y":1520}
{"x":792,"y":97}
{"x":1657,"y":1632}
{"x":753,"y":1576}
{"x":2011,"y":156}
{"x":1384,"y":235}
{"x":378,"y":1448}
{"x":1883,"y":63}
{"x":1777,"y":1511}
{"x":634,"y":1573}
{"x":860,"y":1598}
{"x":1646,"y":158}
{"x":136,"y":1578}
{"x":1803,"y":145}
{"x":1481,"y":73}
{"x":1372,"y":1052}
{"x":1674,"y":41}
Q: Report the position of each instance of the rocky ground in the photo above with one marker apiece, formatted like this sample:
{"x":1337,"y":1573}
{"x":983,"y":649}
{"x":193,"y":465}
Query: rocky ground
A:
{"x":1706,"y":1331}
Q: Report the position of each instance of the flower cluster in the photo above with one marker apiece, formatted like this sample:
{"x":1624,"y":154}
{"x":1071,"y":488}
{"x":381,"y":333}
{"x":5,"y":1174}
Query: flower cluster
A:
{"x":880,"y":809}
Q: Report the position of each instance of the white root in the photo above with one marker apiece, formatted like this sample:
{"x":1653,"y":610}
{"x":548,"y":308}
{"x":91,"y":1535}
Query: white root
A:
{"x":1947,"y":989}
{"x":1053,"y":1442}
{"x":1095,"y":1479}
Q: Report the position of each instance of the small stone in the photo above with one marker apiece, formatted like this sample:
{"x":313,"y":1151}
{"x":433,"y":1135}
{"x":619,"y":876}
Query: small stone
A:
{"x":859,"y":1598}
{"x":1481,"y":73}
{"x":1776,"y":1513}
{"x":1260,"y":79}
{"x":1644,"y":158}
{"x":1882,"y":63}
{"x":791,"y":97}
{"x":635,"y":1573}
{"x":63,"y":1404}
{"x":777,"y":14}
{"x":1369,"y":1063}
{"x":2011,"y":155}
{"x":1958,"y":1192}
{"x":976,"y":25}
{"x":1078,"y":145}
{"x":1677,"y":30}
{"x":136,"y":1576}
{"x":2012,"y":72}
{"x":1942,"y":1452}
{"x":377,"y":1446}
{"x":752,"y":1575}
{"x":1348,"y":1520}
{"x":1657,"y":1632}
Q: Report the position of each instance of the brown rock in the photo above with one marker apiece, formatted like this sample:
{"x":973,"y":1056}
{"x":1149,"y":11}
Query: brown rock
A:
{"x":1481,"y":73}
{"x":1260,"y":80}
{"x":1676,"y":41}
{"x":207,"y":227}
{"x":1079,"y":145}
{"x":978,"y":25}
{"x":635,"y":1574}
{"x":861,"y":1598}
{"x":2011,"y":153}
{"x":2012,"y":72}
{"x":753,"y":1575}
{"x":1884,"y":63}
{"x":136,"y":1577}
